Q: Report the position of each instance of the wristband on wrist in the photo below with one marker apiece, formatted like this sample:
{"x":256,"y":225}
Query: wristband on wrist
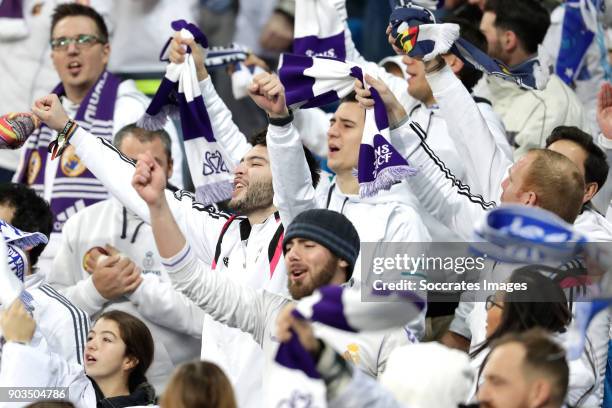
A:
{"x":57,"y":147}
{"x":281,"y":121}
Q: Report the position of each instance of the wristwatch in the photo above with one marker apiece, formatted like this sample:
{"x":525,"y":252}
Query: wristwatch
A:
{"x":281,"y":121}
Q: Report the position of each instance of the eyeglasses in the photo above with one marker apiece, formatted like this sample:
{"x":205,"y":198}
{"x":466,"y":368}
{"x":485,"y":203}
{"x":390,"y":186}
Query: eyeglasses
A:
{"x":81,"y":41}
{"x":490,"y":302}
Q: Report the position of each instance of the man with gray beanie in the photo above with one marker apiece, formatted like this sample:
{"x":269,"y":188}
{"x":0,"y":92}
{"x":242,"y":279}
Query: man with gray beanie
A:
{"x":320,"y":248}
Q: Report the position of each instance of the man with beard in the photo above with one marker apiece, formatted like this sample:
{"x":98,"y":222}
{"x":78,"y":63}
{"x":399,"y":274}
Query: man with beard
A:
{"x":245,"y":248}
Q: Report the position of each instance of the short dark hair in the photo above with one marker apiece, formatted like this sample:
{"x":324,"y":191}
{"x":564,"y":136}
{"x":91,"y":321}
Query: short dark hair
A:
{"x":528,"y":19}
{"x":32,"y":213}
{"x":74,"y":10}
{"x":469,"y":75}
{"x":144,"y":135}
{"x":351,"y":97}
{"x":544,"y":355}
{"x":596,"y":166}
{"x":259,"y":139}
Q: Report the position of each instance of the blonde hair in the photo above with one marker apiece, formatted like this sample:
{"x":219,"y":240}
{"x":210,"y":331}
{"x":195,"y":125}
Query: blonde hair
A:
{"x":199,"y":384}
{"x":557,"y":183}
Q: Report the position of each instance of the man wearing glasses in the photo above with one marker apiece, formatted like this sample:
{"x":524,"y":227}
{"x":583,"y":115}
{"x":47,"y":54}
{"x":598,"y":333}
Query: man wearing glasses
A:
{"x":95,"y":99}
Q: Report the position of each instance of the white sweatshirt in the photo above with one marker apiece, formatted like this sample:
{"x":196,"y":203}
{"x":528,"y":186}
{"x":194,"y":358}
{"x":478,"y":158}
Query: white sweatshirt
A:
{"x":174,"y":321}
{"x":488,"y":163}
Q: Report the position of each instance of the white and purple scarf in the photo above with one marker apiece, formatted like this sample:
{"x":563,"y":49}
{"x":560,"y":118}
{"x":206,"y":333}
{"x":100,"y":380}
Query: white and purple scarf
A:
{"x":12,"y":23}
{"x":13,"y":259}
{"x":75,"y":187}
{"x":319,"y":28}
{"x":316,"y":81}
{"x":417,"y":34}
{"x":343,"y":308}
{"x":297,"y":383}
{"x":210,"y":170}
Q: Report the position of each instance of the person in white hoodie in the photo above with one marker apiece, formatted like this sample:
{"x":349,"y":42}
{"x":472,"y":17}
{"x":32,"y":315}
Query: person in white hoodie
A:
{"x":97,"y":285}
{"x":62,"y":326}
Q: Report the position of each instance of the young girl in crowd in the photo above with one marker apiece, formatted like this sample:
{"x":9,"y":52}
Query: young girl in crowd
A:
{"x":118,"y":352}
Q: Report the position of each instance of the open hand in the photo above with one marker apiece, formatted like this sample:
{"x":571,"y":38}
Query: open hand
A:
{"x":604,"y":109}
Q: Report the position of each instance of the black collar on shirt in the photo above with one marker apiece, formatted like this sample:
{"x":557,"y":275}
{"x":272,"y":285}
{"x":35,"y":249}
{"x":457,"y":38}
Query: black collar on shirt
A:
{"x":144,"y":394}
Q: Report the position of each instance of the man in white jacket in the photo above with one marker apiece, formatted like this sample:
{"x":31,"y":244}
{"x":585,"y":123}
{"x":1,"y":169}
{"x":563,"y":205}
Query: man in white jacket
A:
{"x":514,"y":28}
{"x":94,"y":98}
{"x":97,"y":285}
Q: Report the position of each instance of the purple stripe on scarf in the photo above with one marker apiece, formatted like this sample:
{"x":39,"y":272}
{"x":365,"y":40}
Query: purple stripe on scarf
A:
{"x":365,"y":167}
{"x":321,"y":100}
{"x":195,"y":121}
{"x":291,"y":73}
{"x":380,"y":112}
{"x":312,"y":46}
{"x":330,"y":309}
{"x":293,"y":355}
{"x":11,"y":9}
{"x":198,"y":35}
{"x":160,"y":99}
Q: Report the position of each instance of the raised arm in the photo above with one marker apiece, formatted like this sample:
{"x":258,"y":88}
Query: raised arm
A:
{"x":225,"y":130}
{"x":440,"y":193}
{"x":486,"y":163}
{"x":228,"y":302}
{"x":604,"y":140}
{"x":199,"y":223}
{"x":291,"y":180}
